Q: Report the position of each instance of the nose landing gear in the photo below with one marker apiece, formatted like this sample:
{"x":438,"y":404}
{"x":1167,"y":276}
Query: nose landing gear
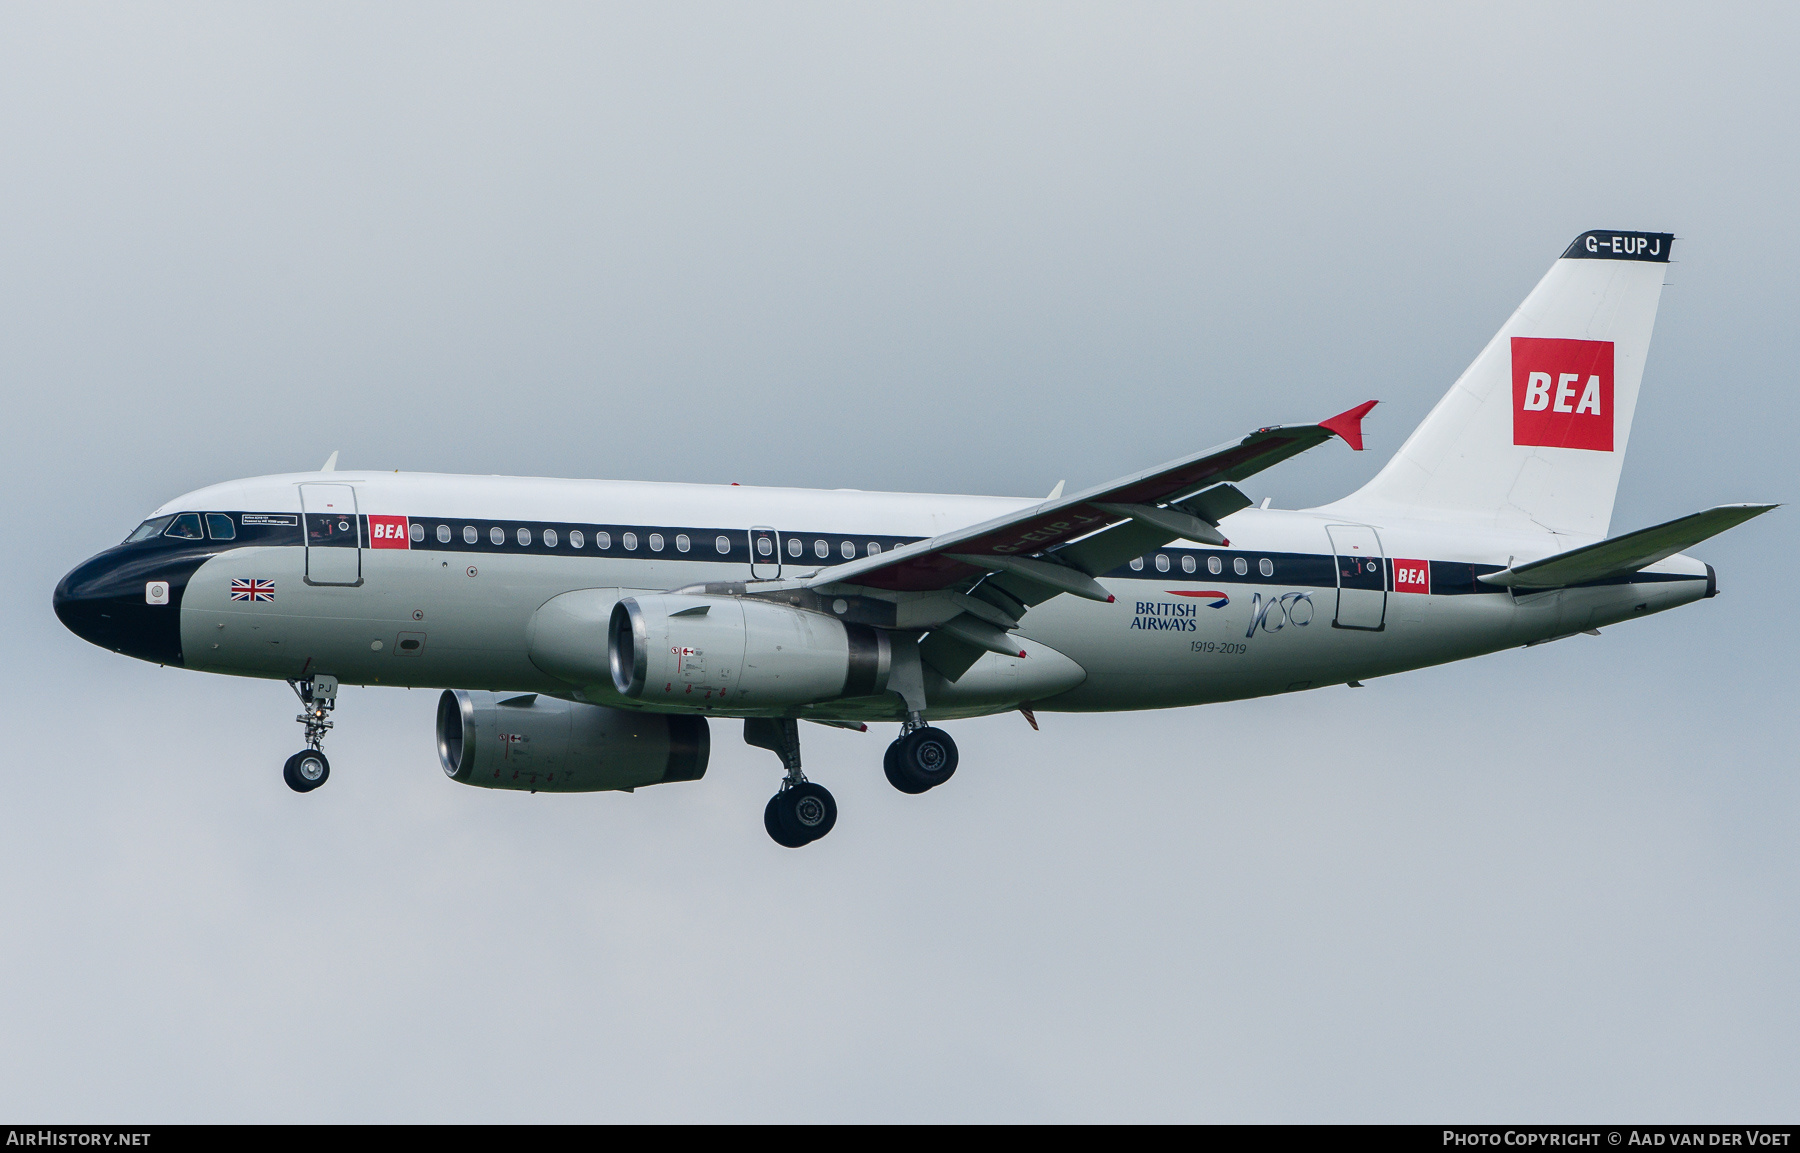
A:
{"x":307,"y":769}
{"x":802,"y":811}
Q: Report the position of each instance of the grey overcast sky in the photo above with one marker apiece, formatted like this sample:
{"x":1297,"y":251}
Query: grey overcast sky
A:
{"x":953,"y":248}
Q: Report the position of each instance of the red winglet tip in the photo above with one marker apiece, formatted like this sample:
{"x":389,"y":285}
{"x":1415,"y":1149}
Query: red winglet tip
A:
{"x":1348,"y":424}
{"x":1225,"y":544}
{"x":1111,"y":599}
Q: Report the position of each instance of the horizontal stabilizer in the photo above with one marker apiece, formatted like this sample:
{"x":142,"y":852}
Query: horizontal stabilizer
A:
{"x":1623,"y":555}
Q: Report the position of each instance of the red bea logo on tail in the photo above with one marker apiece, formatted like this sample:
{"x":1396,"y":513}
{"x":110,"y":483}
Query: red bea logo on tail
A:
{"x":1563,"y":393}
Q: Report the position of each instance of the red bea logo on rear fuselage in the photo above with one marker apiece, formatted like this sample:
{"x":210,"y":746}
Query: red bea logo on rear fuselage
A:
{"x":1563,"y":393}
{"x":388,"y":532}
{"x":1412,"y":576}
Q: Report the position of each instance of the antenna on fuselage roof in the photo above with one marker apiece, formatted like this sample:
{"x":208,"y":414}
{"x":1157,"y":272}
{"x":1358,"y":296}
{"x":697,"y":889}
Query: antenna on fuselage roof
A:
{"x":330,"y":464}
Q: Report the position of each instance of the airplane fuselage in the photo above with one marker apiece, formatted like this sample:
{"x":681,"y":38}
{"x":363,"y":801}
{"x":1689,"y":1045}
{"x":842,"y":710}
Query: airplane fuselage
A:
{"x":441,"y":581}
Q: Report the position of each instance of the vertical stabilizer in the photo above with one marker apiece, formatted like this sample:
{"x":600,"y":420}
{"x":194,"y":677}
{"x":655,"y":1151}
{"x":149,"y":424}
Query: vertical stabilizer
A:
{"x":1533,"y":434}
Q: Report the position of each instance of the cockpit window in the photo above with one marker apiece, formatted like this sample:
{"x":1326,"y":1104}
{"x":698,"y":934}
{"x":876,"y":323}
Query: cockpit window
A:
{"x":149,"y":529}
{"x":186,"y":526}
{"x":219,"y":526}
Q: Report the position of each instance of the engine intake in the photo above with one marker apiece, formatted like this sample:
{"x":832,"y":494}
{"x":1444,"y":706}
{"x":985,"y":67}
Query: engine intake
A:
{"x":706,"y":651}
{"x":499,"y":741}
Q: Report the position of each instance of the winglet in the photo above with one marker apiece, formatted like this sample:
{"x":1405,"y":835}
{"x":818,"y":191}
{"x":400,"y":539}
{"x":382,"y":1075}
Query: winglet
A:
{"x":1349,"y":424}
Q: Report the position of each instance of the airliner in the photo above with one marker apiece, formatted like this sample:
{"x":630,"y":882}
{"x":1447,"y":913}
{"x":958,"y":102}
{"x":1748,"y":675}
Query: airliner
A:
{"x":587,"y":634}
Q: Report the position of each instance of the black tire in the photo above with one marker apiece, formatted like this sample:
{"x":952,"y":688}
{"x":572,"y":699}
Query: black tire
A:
{"x":803,"y":814}
{"x":306,"y":770}
{"x":772,"y":822}
{"x":923,"y":759}
{"x":897,"y":776}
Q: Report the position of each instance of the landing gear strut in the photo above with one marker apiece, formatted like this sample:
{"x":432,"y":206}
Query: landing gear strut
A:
{"x":802,"y":811}
{"x":923,"y":758}
{"x":307,"y":769}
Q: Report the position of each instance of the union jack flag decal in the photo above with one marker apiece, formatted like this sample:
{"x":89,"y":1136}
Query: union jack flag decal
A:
{"x":252,"y":590}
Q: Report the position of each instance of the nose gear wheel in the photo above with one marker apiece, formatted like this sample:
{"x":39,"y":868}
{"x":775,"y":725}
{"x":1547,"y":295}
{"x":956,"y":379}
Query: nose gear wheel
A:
{"x":306,"y":770}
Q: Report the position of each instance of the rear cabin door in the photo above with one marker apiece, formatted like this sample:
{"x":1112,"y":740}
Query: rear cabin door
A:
{"x":1361,"y":577}
{"x":765,"y":554}
{"x":333,"y":534}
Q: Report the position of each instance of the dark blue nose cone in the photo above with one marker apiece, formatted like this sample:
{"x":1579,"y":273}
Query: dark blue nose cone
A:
{"x":128,"y":600}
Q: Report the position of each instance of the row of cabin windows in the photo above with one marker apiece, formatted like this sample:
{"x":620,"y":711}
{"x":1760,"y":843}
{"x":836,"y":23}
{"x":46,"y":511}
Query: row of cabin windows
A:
{"x":187,"y":526}
{"x":1214,"y":565}
{"x":822,"y":549}
{"x":604,"y":540}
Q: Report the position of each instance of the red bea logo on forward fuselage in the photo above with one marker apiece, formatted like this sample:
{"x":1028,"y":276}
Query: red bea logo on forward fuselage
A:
{"x":388,"y":532}
{"x":1412,"y":576}
{"x":1563,"y":393}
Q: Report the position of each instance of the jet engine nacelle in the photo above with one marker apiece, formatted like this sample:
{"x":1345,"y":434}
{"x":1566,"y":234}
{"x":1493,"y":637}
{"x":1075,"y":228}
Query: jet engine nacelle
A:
{"x":526,"y":741}
{"x":708,"y":651}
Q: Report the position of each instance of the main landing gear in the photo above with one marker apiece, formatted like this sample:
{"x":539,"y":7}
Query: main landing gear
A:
{"x":307,"y":769}
{"x":802,"y":811}
{"x":923,"y":758}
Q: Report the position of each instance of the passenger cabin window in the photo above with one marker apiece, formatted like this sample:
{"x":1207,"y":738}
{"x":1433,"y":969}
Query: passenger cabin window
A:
{"x":821,"y":549}
{"x":416,"y":532}
{"x":1137,"y":564}
{"x":629,"y":540}
{"x":1162,"y":562}
{"x":1240,"y":566}
{"x":656,"y":542}
{"x":549,"y":538}
{"x":682,"y":543}
{"x":1266,"y":567}
{"x":848,"y":550}
{"x":1214,"y":565}
{"x":497,"y":535}
{"x":577,"y":539}
{"x":524,"y":536}
{"x":722,"y":544}
{"x":149,"y":529}
{"x":603,"y":540}
{"x":443,"y":534}
{"x":874,"y":548}
{"x":219,"y":526}
{"x":186,"y":527}
{"x":794,"y":546}
{"x":469,"y":534}
{"x":1187,"y":564}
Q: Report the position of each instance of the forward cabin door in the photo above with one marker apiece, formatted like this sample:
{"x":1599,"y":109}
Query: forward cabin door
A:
{"x":333,"y":534}
{"x":1361,"y":577}
{"x":765,"y":554}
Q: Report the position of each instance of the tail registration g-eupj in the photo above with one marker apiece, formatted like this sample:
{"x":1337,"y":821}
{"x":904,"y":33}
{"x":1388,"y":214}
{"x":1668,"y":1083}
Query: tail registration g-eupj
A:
{"x":587,"y":633}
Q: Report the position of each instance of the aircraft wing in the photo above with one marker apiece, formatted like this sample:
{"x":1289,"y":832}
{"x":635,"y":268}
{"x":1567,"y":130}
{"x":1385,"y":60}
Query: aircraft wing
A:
{"x":1185,"y":498}
{"x":1622,"y":555}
